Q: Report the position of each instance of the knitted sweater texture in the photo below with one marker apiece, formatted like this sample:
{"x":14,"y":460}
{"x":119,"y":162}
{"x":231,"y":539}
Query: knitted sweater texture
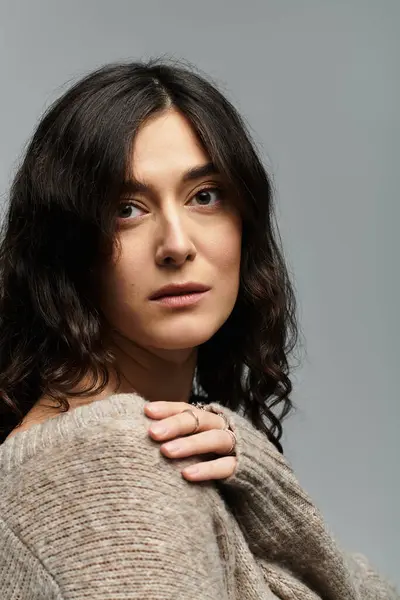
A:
{"x":91,"y":509}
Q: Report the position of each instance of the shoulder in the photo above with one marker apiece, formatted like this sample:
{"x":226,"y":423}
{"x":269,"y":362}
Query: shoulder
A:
{"x":97,"y":469}
{"x":102,"y":495}
{"x":104,"y":446}
{"x":117,"y":423}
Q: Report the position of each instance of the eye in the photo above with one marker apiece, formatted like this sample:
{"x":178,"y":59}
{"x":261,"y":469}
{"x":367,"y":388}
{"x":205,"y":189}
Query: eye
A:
{"x":129,"y":210}
{"x":208,"y":197}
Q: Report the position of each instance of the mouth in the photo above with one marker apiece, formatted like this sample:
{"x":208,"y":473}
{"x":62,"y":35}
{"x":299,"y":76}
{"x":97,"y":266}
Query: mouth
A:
{"x":186,"y":289}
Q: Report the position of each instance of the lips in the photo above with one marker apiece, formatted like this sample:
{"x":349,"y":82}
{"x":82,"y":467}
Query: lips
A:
{"x":179,"y":290}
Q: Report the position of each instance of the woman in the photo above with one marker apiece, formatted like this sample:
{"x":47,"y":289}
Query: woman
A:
{"x":141,"y":271}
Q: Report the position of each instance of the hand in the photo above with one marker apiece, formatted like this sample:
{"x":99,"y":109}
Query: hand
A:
{"x":209,"y":438}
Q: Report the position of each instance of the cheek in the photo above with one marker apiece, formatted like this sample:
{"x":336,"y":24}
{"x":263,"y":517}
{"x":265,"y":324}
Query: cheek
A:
{"x":225,"y":251}
{"x":121,"y":276}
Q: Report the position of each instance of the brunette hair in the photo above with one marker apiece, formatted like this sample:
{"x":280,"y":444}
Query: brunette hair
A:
{"x":59,"y":226}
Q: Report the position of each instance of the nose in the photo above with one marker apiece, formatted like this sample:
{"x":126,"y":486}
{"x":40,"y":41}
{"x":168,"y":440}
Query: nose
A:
{"x":174,"y":244}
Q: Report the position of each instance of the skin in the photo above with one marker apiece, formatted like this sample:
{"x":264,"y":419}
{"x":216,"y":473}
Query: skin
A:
{"x":171,"y":232}
{"x":210,"y":438}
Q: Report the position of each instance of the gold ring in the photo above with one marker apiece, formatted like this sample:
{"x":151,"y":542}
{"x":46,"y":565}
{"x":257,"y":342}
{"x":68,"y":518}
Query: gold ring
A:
{"x":196,"y":417}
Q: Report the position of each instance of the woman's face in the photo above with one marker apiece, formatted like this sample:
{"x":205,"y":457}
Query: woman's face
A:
{"x":172,"y":229}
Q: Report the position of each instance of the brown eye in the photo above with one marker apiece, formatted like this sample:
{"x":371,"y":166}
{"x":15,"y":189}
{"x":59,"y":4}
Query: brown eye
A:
{"x":128,"y":210}
{"x":208,"y":197}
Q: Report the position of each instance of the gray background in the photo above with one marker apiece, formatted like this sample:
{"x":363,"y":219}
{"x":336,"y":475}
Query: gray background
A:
{"x":318,"y":83}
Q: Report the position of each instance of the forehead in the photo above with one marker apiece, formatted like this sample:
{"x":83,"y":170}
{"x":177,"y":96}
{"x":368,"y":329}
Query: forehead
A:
{"x":165,"y":144}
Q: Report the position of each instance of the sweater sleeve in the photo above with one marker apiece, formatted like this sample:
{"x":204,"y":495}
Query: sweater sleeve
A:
{"x":281,"y":523}
{"x":112,"y":518}
{"x":22,"y":575}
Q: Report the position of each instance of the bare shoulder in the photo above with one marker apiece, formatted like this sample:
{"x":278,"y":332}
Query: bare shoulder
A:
{"x":37,"y":414}
{"x":45,"y":409}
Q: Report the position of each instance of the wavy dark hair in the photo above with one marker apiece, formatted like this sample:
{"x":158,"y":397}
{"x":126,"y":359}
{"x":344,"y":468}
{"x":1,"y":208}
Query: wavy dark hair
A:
{"x":60,"y":226}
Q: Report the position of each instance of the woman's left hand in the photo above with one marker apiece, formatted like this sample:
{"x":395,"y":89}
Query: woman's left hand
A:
{"x":209,"y":438}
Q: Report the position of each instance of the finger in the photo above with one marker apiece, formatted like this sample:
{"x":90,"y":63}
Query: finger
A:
{"x":213,"y":469}
{"x":161,"y":409}
{"x":215,"y":441}
{"x":184,"y":423}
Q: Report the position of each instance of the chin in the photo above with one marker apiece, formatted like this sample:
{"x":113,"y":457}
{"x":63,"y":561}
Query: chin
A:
{"x":181,"y":337}
{"x":180,"y":342}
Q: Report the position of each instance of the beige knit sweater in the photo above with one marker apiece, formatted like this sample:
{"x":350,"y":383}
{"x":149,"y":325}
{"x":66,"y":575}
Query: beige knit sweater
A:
{"x":91,"y":509}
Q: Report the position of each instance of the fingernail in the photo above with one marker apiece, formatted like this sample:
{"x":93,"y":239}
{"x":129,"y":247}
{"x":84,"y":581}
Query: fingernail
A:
{"x":153,"y":409}
{"x":192,"y":470}
{"x":158,"y":429}
{"x":172,"y":447}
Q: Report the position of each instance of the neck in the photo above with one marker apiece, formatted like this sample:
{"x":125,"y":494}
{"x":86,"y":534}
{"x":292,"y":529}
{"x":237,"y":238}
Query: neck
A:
{"x":157,"y":375}
{"x":153,"y":373}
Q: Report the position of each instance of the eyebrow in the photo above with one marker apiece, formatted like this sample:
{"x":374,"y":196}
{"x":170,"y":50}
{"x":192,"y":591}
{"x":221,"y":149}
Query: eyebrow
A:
{"x":132,"y":186}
